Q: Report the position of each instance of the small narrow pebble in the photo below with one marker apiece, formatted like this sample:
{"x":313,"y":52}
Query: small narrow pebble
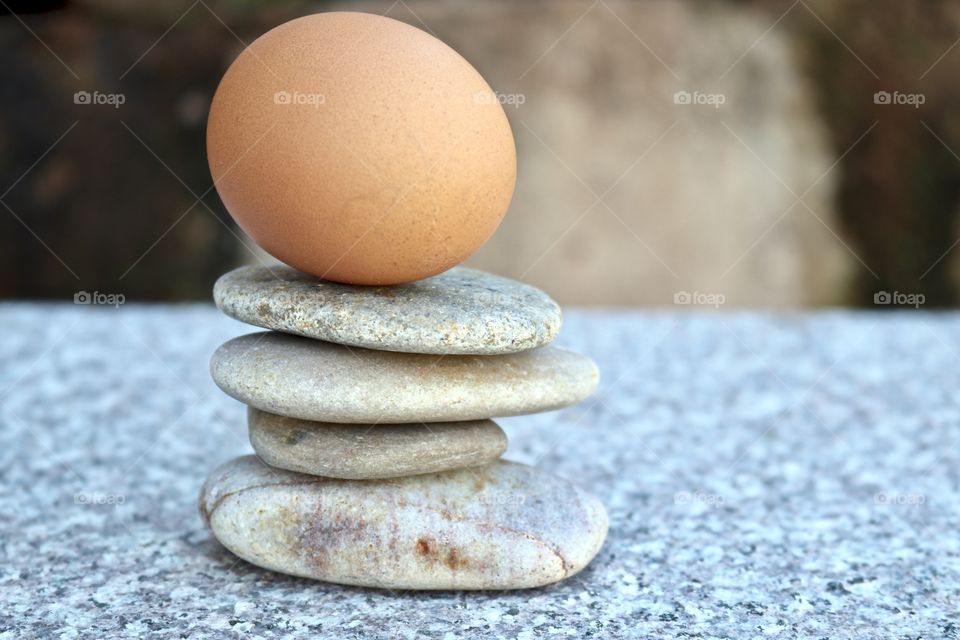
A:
{"x":364,"y":451}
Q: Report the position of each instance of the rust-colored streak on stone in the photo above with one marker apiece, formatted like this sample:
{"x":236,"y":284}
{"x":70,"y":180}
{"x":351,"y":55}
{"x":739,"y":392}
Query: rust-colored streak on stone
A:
{"x":423,"y":547}
{"x":431,"y":552}
{"x":454,"y":560}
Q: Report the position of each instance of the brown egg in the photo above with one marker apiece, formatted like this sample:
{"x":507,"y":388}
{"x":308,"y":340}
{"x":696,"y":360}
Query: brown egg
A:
{"x":359,"y":149}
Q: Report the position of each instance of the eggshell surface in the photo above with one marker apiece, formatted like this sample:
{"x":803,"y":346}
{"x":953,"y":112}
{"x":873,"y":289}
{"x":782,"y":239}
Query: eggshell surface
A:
{"x":360,"y":149}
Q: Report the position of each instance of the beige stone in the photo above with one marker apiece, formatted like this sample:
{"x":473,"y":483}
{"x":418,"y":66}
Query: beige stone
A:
{"x":313,"y":380}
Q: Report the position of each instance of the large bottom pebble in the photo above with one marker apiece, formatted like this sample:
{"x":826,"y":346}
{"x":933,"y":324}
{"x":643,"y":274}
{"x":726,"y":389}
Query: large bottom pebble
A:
{"x":500,"y":526}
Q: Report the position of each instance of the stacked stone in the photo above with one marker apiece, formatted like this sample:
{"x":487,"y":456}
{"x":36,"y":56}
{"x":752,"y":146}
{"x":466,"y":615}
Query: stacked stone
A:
{"x":377,"y":460}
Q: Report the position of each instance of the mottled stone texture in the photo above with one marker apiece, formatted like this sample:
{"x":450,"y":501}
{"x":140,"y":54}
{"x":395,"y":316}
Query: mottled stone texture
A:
{"x":365,"y":451}
{"x":314,"y":380}
{"x":500,"y":526}
{"x":460,"y":311}
{"x":776,"y":476}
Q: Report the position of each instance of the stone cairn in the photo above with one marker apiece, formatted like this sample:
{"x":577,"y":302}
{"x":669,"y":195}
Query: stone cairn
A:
{"x":377,"y":462}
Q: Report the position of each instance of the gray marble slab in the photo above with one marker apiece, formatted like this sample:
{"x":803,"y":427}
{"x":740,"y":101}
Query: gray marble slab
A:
{"x":766,"y":476}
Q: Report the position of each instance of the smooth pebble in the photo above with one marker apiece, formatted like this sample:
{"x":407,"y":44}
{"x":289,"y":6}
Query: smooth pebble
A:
{"x":502,"y":526}
{"x":460,"y":311}
{"x":363,"y":451}
{"x":314,"y":380}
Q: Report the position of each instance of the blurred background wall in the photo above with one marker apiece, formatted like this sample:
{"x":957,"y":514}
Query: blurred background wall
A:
{"x":776,"y":154}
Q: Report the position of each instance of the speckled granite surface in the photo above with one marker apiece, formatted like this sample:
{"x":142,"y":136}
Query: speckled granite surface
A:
{"x":766,"y":477}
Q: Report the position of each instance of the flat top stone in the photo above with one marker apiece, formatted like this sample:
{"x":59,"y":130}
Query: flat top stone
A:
{"x":503,"y":525}
{"x":372,"y":450}
{"x":460,"y":311}
{"x":785,"y":475}
{"x":326,"y":382}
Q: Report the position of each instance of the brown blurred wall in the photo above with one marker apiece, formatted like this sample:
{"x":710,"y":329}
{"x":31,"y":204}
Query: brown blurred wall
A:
{"x":624,"y":196}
